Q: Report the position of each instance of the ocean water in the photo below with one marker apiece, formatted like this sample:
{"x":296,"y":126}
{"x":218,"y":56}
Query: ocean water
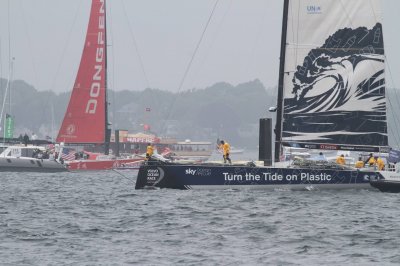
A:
{"x":97,"y":218}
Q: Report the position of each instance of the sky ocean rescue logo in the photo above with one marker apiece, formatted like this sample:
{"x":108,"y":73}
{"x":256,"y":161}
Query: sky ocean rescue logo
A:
{"x":198,"y":171}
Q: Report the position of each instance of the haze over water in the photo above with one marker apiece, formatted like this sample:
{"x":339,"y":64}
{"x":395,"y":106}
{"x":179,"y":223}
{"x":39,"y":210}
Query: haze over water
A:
{"x":99,"y":219}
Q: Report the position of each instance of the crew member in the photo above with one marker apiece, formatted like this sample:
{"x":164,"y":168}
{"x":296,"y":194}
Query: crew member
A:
{"x":149,"y":151}
{"x":341,"y":160}
{"x":226,"y":150}
{"x":372,"y":160}
{"x":359,"y":163}
{"x":26,"y":139}
{"x":380,"y":163}
{"x":321,"y":157}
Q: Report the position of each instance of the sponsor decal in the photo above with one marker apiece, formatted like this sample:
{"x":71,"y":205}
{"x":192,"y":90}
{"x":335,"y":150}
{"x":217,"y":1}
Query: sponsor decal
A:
{"x":267,"y":176}
{"x":198,"y":171}
{"x":154,"y":176}
{"x":384,"y":149}
{"x":70,"y":129}
{"x":310,"y":146}
{"x":95,"y":87}
{"x":313,"y":9}
{"x":328,"y":147}
{"x":370,"y":177}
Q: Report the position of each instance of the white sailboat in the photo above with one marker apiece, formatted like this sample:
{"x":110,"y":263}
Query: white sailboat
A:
{"x":331,"y":97}
{"x":21,"y":158}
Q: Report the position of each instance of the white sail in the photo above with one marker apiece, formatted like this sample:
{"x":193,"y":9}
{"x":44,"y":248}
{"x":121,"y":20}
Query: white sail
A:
{"x":334,"y":84}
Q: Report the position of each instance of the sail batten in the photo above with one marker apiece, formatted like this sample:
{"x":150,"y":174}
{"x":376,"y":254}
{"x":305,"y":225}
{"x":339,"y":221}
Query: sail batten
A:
{"x":85,"y":118}
{"x":334,"y":83}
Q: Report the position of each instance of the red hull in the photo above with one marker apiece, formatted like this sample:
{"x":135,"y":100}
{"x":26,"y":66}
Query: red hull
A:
{"x":99,"y":164}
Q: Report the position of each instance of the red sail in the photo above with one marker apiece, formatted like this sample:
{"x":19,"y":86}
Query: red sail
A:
{"x":85,"y":118}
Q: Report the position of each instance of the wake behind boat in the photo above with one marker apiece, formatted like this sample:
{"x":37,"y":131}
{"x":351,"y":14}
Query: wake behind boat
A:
{"x":331,"y":96}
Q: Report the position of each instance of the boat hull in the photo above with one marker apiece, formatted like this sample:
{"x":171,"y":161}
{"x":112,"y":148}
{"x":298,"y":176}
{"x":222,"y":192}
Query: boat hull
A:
{"x":223,"y":177}
{"x":94,"y":165}
{"x":30,"y":165}
{"x":391,"y":186}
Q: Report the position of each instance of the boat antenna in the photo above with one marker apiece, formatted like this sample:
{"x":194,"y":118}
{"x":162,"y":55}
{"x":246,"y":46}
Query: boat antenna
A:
{"x":8,"y":85}
{"x":279,"y":114}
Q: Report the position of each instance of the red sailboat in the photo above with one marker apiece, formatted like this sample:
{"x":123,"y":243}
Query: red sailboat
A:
{"x":85,"y":121}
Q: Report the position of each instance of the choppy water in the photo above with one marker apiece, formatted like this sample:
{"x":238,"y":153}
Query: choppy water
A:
{"x":99,"y":219}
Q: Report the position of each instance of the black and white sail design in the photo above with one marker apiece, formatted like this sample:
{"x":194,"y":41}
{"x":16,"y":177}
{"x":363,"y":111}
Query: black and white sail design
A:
{"x":334,"y":84}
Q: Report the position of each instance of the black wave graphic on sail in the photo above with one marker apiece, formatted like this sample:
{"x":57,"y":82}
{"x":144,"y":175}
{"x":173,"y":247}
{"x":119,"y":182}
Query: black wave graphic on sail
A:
{"x":339,"y":92}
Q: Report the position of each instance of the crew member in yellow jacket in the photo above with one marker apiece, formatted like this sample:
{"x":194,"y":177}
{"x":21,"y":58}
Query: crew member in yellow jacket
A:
{"x":341,"y":160}
{"x":226,"y":148}
{"x":380,"y":163}
{"x":372,"y":160}
{"x":359,"y":163}
{"x":149,"y":151}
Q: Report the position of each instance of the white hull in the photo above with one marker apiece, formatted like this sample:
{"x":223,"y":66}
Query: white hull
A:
{"x":30,"y":165}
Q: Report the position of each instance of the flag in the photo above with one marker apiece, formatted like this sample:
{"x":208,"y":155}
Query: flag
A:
{"x":68,"y":154}
{"x":9,"y":129}
{"x":148,"y":109}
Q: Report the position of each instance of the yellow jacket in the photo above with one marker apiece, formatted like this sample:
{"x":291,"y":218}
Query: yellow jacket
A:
{"x":371,"y":161}
{"x":226,"y":148}
{"x":380,"y":163}
{"x":359,"y":164}
{"x":150,"y":150}
{"x":340,"y":160}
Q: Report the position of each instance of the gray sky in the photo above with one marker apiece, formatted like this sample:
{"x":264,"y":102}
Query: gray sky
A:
{"x":241,"y":43}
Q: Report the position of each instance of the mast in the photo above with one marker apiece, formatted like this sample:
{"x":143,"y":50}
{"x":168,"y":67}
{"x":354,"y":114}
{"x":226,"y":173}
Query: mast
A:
{"x":107,"y":131}
{"x":279,"y":114}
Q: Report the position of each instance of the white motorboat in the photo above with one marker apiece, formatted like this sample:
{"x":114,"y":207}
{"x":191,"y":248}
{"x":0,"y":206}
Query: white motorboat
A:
{"x":16,"y":158}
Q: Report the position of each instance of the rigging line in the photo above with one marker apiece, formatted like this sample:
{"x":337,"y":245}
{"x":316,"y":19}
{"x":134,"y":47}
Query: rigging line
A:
{"x":261,"y":27}
{"x":35,"y":73}
{"x":394,"y":117}
{"x":66,"y":44}
{"x":112,"y":80}
{"x":190,"y":62}
{"x":29,"y":42}
{"x":53,"y":82}
{"x":1,"y":74}
{"x":10,"y":68}
{"x":393,"y":133}
{"x":373,"y":10}
{"x":347,"y":13}
{"x":297,"y":37}
{"x":147,"y":85}
{"x":133,"y":181}
{"x":5,"y":98}
{"x":9,"y":35}
{"x":391,"y":79}
{"x":136,"y":45}
{"x":215,"y":37}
